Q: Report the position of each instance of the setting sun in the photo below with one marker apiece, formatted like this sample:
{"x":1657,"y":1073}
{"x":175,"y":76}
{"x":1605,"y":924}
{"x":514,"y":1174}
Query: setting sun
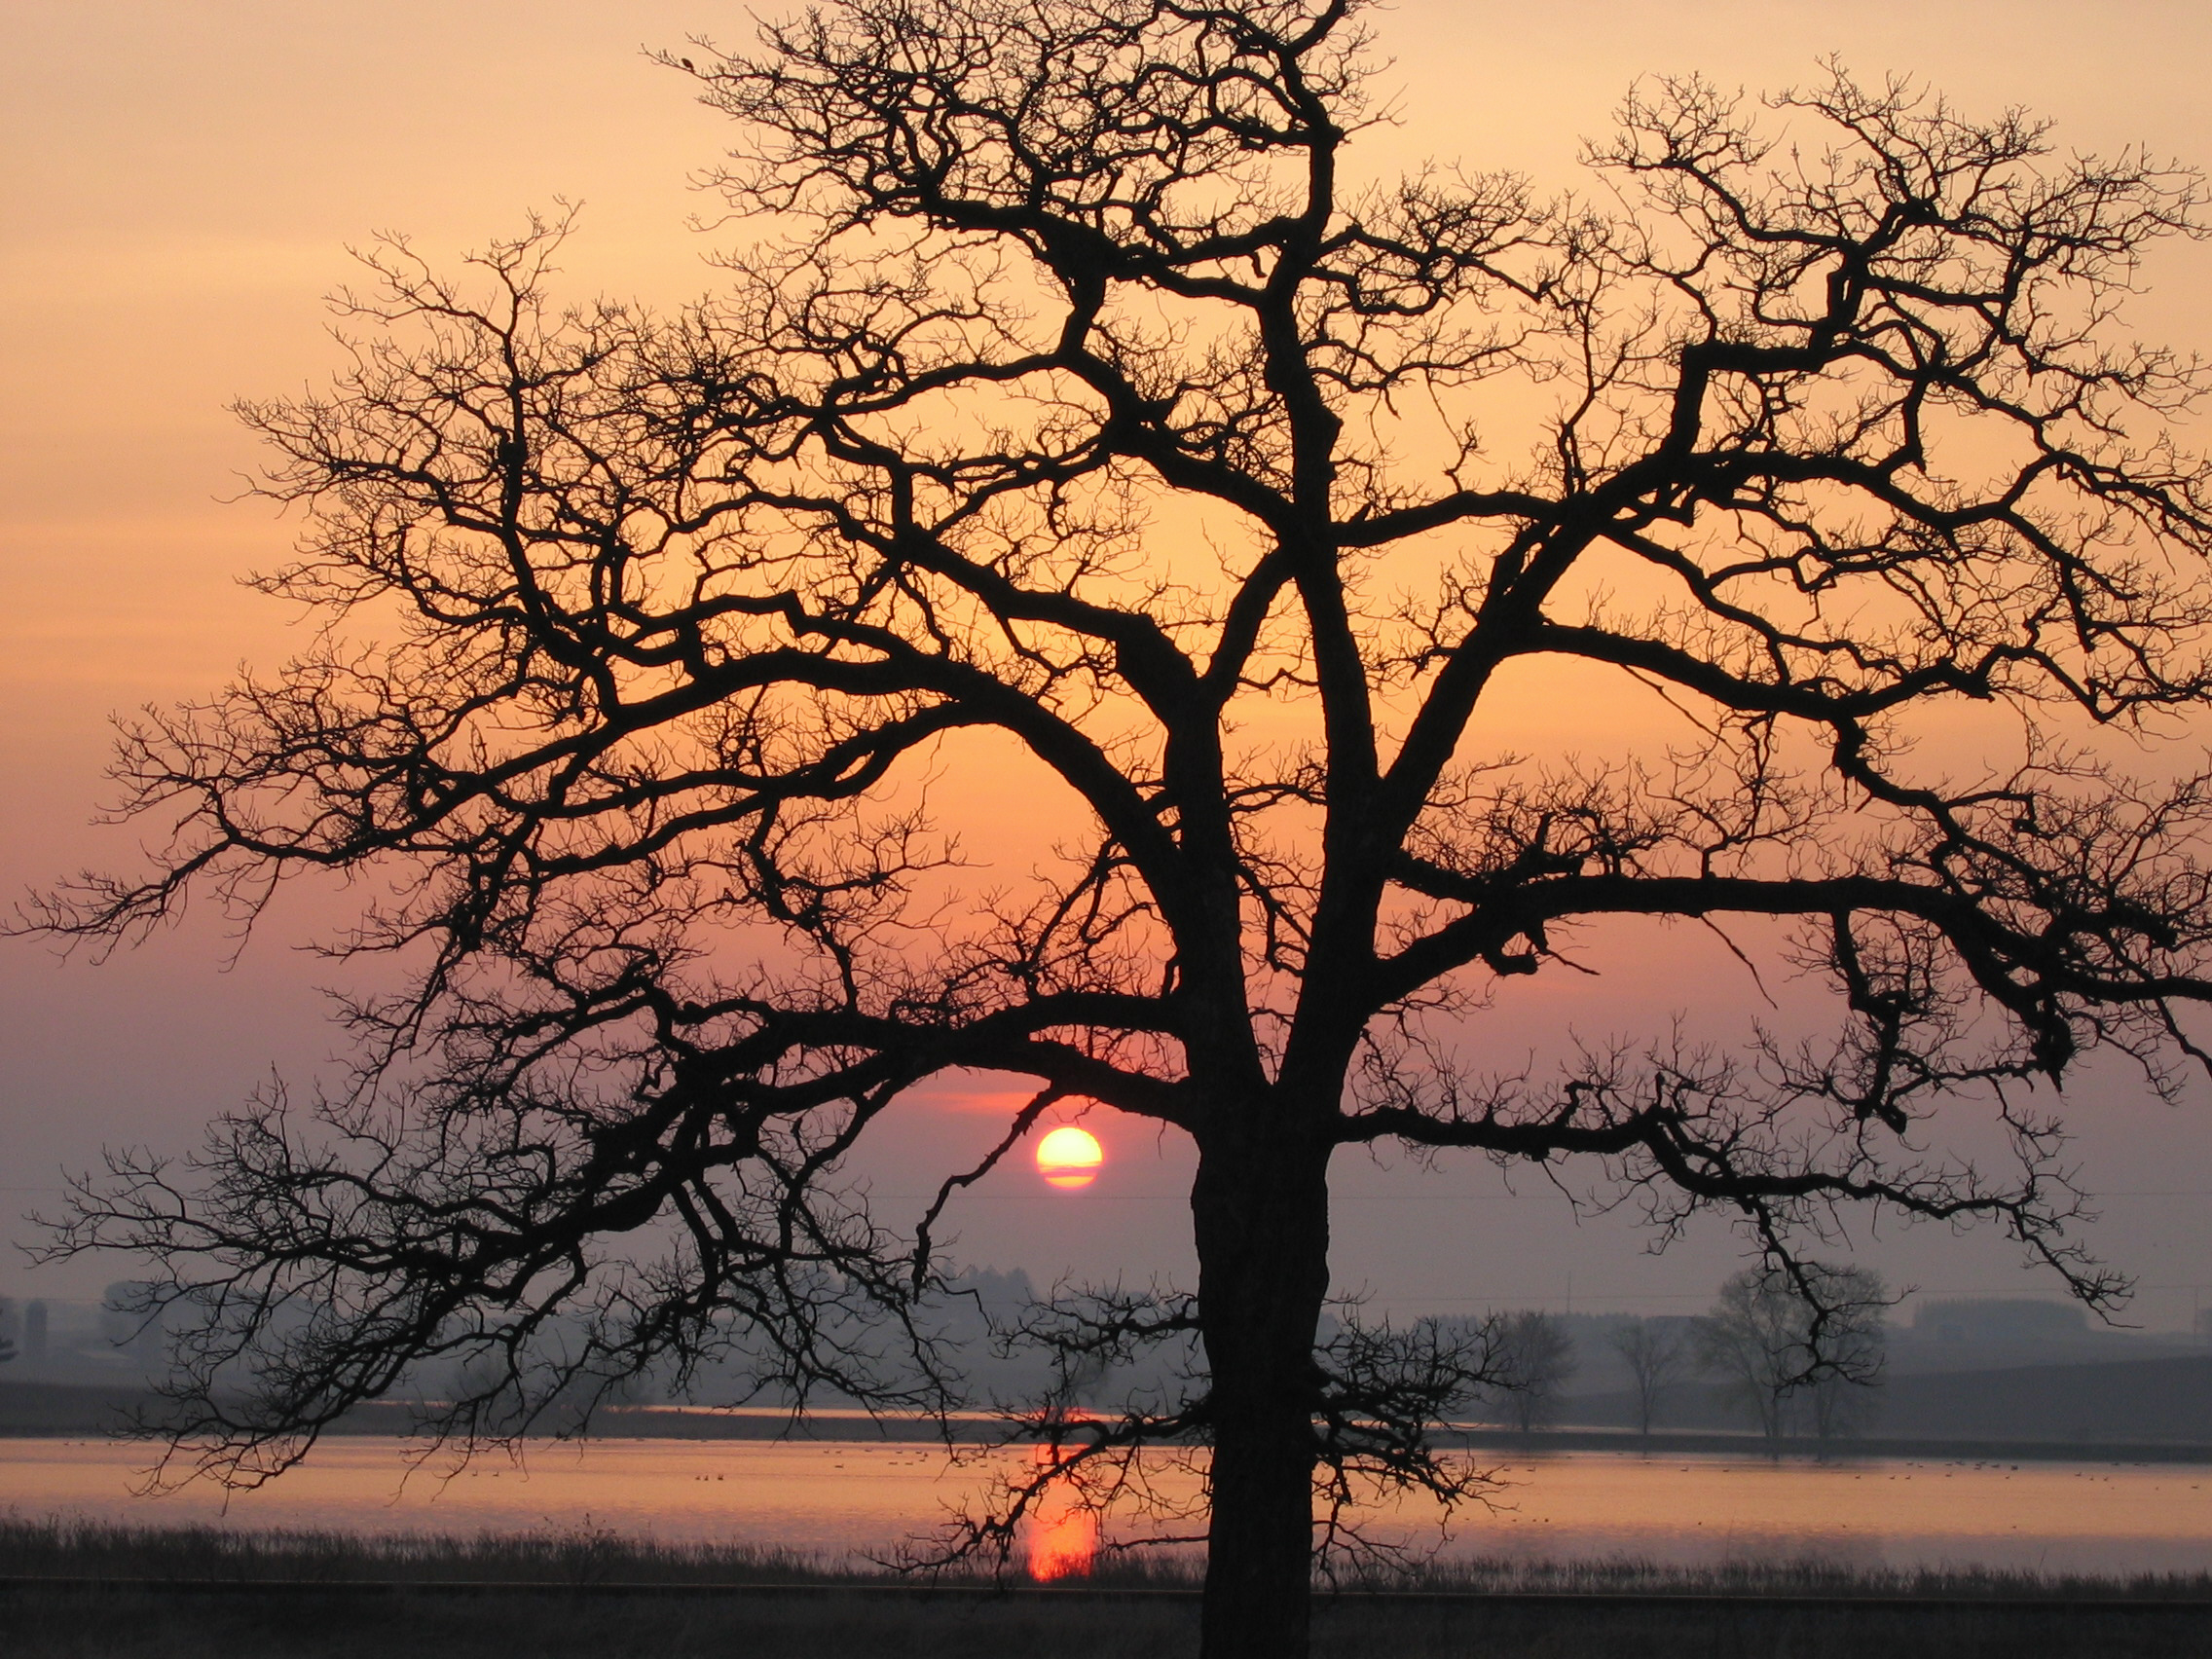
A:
{"x":1069,"y":1157}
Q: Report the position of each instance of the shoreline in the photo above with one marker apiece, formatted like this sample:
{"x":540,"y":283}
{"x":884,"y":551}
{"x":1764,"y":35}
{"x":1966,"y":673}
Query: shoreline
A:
{"x":2025,"y":1601}
{"x":62,"y":1411}
{"x":60,"y":1552}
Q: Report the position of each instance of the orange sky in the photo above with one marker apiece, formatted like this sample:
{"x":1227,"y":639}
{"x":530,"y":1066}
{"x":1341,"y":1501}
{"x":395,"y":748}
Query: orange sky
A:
{"x":177,"y":183}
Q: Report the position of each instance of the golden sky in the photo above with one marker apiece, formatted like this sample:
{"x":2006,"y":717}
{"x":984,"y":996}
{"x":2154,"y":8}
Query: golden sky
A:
{"x":178,"y":181}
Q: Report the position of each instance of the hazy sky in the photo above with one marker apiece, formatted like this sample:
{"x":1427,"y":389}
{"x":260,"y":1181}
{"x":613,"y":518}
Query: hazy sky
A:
{"x":178,"y":181}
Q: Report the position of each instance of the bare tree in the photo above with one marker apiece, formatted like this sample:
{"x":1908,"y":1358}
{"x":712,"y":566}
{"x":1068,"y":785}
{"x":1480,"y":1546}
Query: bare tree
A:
{"x":1810,"y":1334}
{"x":1844,"y":1394}
{"x":1531,"y":1359}
{"x":1750,"y":1339}
{"x":646,"y":630}
{"x":1657,"y":1356}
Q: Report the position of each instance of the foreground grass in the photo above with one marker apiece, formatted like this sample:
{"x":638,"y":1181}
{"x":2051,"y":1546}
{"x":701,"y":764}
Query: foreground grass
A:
{"x":336,"y":1609}
{"x":579,"y":1555}
{"x":587,"y":1555}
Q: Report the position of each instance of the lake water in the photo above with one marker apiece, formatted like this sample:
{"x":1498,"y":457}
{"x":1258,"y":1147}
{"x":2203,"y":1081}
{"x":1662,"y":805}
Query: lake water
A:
{"x":836,"y":1499}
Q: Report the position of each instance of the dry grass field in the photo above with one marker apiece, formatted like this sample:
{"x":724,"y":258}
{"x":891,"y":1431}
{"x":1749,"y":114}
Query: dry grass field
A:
{"x":94,"y":1592}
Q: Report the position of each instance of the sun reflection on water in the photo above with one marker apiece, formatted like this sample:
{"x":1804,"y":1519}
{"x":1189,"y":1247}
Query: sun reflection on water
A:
{"x":1063,"y":1544}
{"x":1063,"y":1530}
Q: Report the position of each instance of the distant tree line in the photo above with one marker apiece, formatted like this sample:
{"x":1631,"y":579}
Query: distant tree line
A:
{"x":1795,"y":1357}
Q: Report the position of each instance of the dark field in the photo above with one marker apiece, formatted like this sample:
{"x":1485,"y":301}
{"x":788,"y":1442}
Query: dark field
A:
{"x":116,"y":1592}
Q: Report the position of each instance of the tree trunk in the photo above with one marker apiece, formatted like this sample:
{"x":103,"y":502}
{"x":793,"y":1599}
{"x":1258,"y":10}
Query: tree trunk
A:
{"x":1261,"y":1218}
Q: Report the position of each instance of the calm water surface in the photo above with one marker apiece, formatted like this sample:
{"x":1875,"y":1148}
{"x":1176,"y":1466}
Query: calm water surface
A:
{"x":836,"y":1497}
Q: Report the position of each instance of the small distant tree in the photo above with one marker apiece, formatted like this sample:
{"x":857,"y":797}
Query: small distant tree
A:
{"x":1808,"y":1332}
{"x":1842,"y":1402}
{"x":1531,"y":1359}
{"x":1749,"y":1341}
{"x":1656,"y":1355}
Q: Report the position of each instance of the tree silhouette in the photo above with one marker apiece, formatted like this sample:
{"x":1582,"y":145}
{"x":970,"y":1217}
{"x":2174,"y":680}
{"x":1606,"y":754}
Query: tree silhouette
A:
{"x":1776,"y":1348}
{"x":1075,"y":394}
{"x":1656,"y":1355}
{"x":1531,"y":1359}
